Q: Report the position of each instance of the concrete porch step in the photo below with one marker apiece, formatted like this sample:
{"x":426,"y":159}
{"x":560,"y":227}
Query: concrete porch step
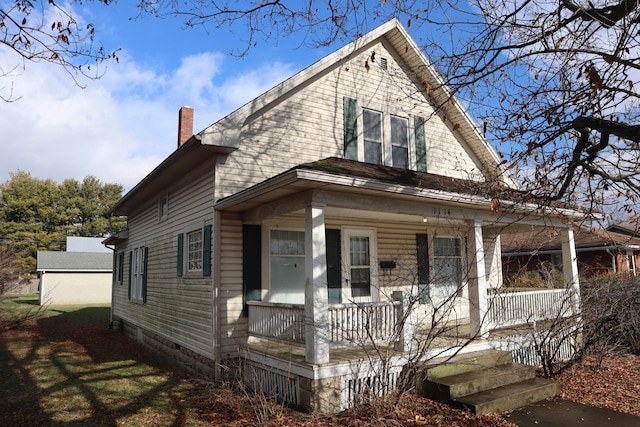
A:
{"x":510,"y":396}
{"x":484,"y":382}
{"x":455,"y":386}
{"x":466,"y":362}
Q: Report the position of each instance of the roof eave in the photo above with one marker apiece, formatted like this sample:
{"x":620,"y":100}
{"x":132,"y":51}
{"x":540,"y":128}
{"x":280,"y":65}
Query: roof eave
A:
{"x":181,"y":159}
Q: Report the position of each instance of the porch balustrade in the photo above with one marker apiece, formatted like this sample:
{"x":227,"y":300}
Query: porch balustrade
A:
{"x":349,"y":324}
{"x":367,"y":322}
{"x":515,"y":308}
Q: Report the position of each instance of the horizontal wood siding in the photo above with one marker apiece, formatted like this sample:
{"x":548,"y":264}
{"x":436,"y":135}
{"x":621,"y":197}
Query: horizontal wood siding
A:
{"x":179,"y":309}
{"x":233,"y":325}
{"x":308,"y":124}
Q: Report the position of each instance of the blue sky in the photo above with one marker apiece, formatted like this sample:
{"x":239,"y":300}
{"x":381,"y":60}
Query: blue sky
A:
{"x":118,"y":128}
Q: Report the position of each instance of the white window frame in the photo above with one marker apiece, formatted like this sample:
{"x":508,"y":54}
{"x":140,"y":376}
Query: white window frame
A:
{"x":371,"y":234}
{"x":137,"y":274}
{"x":163,"y":207}
{"x":187,"y":250}
{"x":387,"y":143}
{"x":119,"y":270}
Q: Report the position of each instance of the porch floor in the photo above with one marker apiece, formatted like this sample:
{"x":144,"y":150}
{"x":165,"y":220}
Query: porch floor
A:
{"x":453,"y":337}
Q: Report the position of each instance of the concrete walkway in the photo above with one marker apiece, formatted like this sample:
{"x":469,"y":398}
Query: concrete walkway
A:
{"x":563,"y":413}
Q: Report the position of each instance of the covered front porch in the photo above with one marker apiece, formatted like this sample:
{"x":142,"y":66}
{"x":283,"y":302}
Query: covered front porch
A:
{"x":347,"y":272}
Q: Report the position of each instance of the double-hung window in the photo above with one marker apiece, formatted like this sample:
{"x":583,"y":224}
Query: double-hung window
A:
{"x":194,"y":252}
{"x":399,"y":142}
{"x":138,"y":261}
{"x":380,"y":136}
{"x":372,"y":135}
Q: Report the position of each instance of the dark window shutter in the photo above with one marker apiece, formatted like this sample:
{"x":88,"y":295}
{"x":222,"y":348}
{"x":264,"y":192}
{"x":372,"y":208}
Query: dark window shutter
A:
{"x":206,"y":251}
{"x":144,"y":274}
{"x":422,"y":245}
{"x":350,"y":128}
{"x":421,"y":144}
{"x":130,"y":271}
{"x":121,"y":267}
{"x":334,"y":266}
{"x":251,"y":264}
{"x":180,"y":263}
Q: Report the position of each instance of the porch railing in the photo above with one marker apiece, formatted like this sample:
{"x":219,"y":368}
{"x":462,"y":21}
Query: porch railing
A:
{"x":355,"y":324}
{"x":349,"y":324}
{"x":276,"y":320}
{"x":514,"y":308}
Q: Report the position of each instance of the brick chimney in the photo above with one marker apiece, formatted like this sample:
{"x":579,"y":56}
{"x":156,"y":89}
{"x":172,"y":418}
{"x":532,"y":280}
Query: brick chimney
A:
{"x":185,"y":125}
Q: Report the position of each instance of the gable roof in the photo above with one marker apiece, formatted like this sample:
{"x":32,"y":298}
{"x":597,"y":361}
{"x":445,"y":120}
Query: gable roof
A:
{"x":223,"y":136}
{"x":74,"y":261}
{"x":226,"y":132}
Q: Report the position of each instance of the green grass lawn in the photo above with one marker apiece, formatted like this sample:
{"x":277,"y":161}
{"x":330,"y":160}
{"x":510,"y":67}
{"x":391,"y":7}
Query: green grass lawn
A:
{"x":62,"y":365}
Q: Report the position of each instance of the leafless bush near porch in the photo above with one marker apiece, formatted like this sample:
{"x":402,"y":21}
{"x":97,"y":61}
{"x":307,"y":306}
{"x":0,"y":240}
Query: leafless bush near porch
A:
{"x":609,"y":323}
{"x":611,"y":314}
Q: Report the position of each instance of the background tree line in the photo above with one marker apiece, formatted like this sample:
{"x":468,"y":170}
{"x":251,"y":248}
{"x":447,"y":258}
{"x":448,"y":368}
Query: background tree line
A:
{"x":38,"y":214}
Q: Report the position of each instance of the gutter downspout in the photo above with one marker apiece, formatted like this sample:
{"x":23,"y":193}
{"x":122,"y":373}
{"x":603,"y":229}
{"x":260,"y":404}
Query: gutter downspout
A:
{"x":216,"y":315}
{"x":113,"y":282}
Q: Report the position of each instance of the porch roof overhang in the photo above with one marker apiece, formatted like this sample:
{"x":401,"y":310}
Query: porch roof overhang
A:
{"x":335,"y":182}
{"x":184,"y":159}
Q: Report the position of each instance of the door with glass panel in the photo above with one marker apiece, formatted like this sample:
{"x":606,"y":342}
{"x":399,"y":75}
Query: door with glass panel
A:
{"x":360,"y":273}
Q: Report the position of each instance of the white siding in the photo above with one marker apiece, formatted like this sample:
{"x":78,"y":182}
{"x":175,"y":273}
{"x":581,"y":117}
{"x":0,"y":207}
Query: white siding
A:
{"x":233,"y":324}
{"x":308,"y":125}
{"x":178,"y":308}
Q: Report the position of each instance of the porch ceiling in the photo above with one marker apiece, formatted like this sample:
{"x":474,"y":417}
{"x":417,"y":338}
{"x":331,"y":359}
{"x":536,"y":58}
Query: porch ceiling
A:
{"x":378,"y":192}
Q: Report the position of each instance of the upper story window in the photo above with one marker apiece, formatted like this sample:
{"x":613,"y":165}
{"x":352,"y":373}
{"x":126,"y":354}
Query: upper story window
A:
{"x":163,"y":207}
{"x":380,"y":137}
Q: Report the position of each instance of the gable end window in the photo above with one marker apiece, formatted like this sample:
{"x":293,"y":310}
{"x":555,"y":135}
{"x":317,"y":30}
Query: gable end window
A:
{"x":163,"y":207}
{"x":380,"y":137}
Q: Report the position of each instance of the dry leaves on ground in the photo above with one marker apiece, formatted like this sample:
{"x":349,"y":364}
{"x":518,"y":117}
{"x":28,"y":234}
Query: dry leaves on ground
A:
{"x":612,"y":384}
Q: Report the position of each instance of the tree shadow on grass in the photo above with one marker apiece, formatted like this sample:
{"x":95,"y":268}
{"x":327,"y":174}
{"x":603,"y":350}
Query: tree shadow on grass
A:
{"x":73,"y":370}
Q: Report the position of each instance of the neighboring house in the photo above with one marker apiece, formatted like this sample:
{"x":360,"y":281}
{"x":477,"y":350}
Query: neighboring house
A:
{"x":599,"y":252}
{"x":75,"y":277}
{"x":338,"y":195}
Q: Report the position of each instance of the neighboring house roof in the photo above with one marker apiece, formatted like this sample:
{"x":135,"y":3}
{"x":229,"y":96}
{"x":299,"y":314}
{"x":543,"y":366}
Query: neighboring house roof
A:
{"x":360,"y":177}
{"x":629,"y":229}
{"x":223,"y":137}
{"x":74,"y":261}
{"x":549,"y":240}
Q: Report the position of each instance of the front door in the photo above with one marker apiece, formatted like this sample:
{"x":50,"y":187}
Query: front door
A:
{"x":360,"y":273}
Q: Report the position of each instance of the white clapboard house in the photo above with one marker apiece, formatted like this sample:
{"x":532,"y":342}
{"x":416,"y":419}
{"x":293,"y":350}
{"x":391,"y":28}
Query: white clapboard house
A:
{"x":335,"y":213}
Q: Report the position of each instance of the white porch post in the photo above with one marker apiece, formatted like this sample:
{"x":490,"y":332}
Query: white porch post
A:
{"x":478,"y":286}
{"x":570,"y":268}
{"x":316,"y":308}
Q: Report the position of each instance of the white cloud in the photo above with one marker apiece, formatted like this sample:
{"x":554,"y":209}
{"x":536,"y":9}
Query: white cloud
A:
{"x":120,"y":127}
